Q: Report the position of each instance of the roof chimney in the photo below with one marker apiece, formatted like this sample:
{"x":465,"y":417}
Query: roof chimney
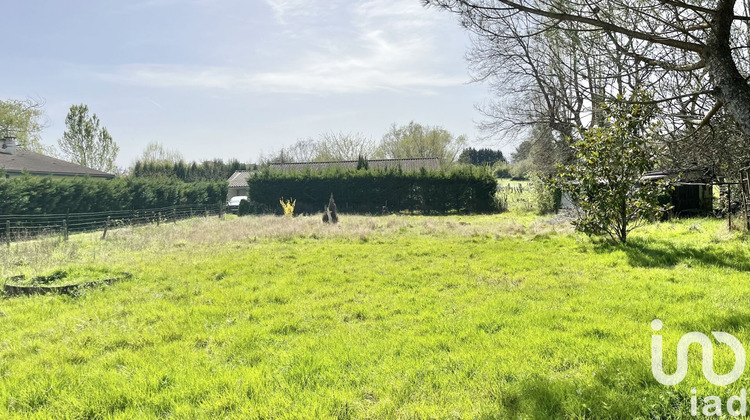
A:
{"x":8,"y":145}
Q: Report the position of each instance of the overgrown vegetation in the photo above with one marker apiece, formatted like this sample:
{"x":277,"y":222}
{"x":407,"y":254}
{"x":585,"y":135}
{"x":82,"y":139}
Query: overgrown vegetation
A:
{"x":46,"y":195}
{"x":376,"y":317}
{"x":468,"y":190}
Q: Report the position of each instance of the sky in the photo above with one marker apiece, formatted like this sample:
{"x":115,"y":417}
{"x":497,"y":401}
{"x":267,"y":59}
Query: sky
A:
{"x":239,"y":78}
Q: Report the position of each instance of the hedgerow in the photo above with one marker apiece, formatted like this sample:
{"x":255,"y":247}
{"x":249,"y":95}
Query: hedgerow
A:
{"x":466,"y":190}
{"x":46,"y":195}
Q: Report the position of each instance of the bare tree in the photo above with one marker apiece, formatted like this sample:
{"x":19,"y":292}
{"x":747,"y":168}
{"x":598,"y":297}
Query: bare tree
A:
{"x":340,"y":146}
{"x":156,"y":152}
{"x":691,"y":55}
{"x":329,"y":147}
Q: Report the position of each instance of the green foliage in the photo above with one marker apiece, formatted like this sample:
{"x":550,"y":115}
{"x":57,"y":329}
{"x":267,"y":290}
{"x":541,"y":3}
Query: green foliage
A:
{"x":501,"y":170}
{"x":87,"y":144}
{"x":464,"y":190}
{"x":45,"y":195}
{"x":605,"y":180}
{"x":421,"y":141}
{"x":245,"y":208}
{"x":362,"y":163}
{"x":23,"y":120}
{"x":522,"y":151}
{"x":521,"y":170}
{"x":210,"y":170}
{"x":472,"y":156}
{"x":547,"y":196}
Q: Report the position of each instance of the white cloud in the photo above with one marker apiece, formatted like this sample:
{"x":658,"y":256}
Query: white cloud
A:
{"x":368,"y":46}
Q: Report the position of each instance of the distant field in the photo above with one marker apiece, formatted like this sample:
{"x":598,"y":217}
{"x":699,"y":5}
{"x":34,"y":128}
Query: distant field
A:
{"x":378,"y":317}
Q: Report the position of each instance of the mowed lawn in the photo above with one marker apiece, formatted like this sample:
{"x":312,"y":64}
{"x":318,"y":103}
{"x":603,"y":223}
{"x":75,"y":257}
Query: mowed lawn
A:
{"x":378,"y":317}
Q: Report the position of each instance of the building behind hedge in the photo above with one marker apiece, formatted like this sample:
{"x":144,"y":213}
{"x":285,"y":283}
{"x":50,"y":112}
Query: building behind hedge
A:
{"x":238,"y":181}
{"x":15,"y":161}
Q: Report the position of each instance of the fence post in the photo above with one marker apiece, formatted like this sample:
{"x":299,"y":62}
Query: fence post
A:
{"x":205,"y":211}
{"x":7,"y":233}
{"x":174,"y":215}
{"x":221,"y":211}
{"x":729,"y":207}
{"x":106,"y":226}
{"x":65,"y":228}
{"x":158,"y":219}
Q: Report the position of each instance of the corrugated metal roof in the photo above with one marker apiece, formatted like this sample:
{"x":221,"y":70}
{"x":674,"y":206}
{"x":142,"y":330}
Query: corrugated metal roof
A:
{"x":37,"y":164}
{"x":407,"y":165}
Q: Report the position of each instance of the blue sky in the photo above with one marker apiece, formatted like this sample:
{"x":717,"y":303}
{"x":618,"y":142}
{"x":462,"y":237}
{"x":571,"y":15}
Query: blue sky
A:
{"x":233,"y":78}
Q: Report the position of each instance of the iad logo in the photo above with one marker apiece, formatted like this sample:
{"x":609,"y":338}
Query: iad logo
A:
{"x":712,"y":404}
{"x":708,"y":357}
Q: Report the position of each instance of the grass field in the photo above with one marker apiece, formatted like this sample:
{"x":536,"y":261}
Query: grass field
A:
{"x":498,"y":316}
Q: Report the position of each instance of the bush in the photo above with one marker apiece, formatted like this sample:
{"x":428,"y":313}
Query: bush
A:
{"x":547,"y":196}
{"x":520,"y":171}
{"x":244,"y":208}
{"x":463,"y":190}
{"x":605,"y":179}
{"x":502,"y":170}
{"x":29,"y":194}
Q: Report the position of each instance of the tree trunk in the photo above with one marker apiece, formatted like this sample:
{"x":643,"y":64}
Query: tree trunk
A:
{"x":731,"y":88}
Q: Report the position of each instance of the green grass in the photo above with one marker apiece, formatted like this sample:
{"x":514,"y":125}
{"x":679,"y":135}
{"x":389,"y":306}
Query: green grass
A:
{"x":378,"y":317}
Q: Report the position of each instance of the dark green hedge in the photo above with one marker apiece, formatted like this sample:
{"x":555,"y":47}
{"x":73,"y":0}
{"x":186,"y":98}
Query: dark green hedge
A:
{"x":468,"y":190}
{"x":45,"y":195}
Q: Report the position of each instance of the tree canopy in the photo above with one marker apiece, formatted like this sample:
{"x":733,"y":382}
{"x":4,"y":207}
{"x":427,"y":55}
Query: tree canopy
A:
{"x":24,"y":120}
{"x":421,"y":141}
{"x":86,"y":143}
{"x":691,"y":55}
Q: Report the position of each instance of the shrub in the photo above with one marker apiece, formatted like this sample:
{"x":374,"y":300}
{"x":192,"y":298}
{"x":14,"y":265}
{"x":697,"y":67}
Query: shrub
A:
{"x":288,"y":206}
{"x":244,"y":208}
{"x":547,"y":196}
{"x":605,"y":180}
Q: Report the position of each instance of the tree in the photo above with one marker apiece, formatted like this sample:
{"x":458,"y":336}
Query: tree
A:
{"x":522,"y":151}
{"x":605,"y":180}
{"x":328,"y":147}
{"x":343,"y":146}
{"x":24,"y":121}
{"x":87,"y":144}
{"x":156,"y":152}
{"x":472,"y":156}
{"x":695,"y":52}
{"x":421,"y":141}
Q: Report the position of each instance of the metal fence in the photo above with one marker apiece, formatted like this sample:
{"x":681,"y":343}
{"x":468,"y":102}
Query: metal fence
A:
{"x":24,"y":227}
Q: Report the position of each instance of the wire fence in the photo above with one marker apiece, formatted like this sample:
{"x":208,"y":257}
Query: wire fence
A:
{"x":14,"y":228}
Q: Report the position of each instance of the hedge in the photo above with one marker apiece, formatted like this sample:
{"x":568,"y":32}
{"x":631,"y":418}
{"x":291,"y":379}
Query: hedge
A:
{"x":467,"y":190}
{"x":46,"y":195}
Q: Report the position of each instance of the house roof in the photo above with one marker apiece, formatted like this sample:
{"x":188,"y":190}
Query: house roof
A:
{"x":239,"y":179}
{"x":37,"y":164}
{"x":406,"y":165}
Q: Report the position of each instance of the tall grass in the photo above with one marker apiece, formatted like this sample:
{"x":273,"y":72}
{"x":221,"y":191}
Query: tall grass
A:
{"x":501,"y":316}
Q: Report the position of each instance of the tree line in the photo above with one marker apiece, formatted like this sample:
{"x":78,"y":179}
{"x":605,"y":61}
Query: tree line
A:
{"x":412,"y":140}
